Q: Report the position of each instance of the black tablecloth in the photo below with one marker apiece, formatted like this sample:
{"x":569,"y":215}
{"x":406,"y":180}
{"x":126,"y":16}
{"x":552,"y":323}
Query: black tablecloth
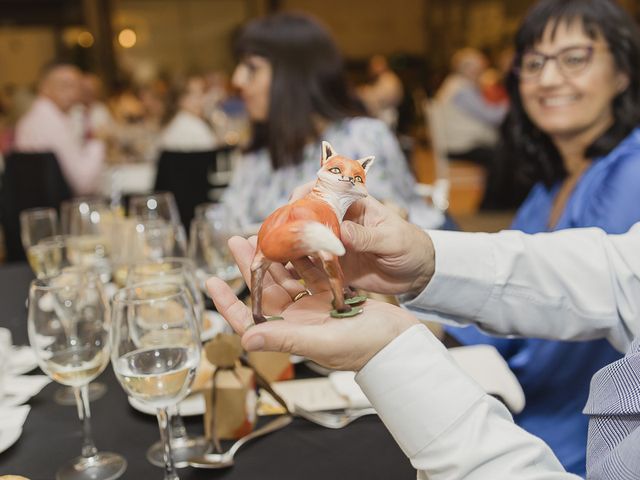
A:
{"x":302,"y":450}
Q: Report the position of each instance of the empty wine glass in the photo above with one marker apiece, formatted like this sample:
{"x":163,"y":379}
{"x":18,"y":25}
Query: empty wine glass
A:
{"x":36,"y":224}
{"x":69,"y":325}
{"x":211,"y":229}
{"x":157,"y":206}
{"x":156,"y":239}
{"x":156,"y":350}
{"x":181,"y":271}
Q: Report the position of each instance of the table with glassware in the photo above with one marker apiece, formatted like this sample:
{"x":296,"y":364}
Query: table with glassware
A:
{"x":150,"y":331}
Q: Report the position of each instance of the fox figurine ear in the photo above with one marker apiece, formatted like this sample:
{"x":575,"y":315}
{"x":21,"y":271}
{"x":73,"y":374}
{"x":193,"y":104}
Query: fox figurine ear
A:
{"x":327,"y":152}
{"x":366,"y":163}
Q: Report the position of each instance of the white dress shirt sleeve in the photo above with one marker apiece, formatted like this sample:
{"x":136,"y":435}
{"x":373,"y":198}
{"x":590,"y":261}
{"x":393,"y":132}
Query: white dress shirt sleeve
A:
{"x":444,"y":422}
{"x":573,"y":284}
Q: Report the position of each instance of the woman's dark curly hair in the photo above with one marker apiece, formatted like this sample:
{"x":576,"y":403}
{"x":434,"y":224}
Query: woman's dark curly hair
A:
{"x":536,"y":157}
{"x":308,"y":81}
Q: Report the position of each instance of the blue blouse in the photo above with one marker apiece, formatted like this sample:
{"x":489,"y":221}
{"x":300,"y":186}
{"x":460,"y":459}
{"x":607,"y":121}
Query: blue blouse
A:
{"x":555,"y":376}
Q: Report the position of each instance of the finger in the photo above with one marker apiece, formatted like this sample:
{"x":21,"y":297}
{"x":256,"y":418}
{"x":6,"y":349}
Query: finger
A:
{"x":233,"y":310}
{"x":361,"y":239}
{"x":281,"y":336}
{"x":282,"y":277}
{"x":301,"y":191}
{"x":367,"y":211}
{"x":314,"y":278}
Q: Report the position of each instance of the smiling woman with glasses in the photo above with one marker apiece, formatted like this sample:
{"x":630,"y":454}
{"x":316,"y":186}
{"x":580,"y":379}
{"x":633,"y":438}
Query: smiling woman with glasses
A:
{"x":572,"y":131}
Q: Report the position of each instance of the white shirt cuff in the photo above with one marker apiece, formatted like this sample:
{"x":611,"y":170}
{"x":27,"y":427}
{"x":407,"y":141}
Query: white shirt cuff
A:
{"x":417,"y":389}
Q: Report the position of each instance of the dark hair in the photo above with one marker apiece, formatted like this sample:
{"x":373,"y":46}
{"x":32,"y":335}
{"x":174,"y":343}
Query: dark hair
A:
{"x":308,"y":80}
{"x":535,"y":155}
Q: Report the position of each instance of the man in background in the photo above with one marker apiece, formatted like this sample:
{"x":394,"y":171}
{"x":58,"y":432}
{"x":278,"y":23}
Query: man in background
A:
{"x":47,"y":127}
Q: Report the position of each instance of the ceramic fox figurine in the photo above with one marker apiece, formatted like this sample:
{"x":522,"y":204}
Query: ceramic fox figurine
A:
{"x":310,"y":227}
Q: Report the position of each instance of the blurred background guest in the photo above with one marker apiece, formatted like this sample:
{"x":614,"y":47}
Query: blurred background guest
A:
{"x":47,"y":127}
{"x":469,"y":119}
{"x":187,"y":130}
{"x":291,"y":77}
{"x":384,"y":93}
{"x":573,"y":127}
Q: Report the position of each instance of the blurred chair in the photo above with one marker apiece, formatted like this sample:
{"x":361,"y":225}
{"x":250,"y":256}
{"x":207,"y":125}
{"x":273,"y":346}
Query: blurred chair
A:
{"x":29,"y":180}
{"x":461,"y":179}
{"x":194,"y":177}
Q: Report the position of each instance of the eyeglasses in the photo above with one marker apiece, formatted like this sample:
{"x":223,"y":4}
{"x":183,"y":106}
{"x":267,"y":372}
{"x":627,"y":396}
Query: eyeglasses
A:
{"x":571,"y":61}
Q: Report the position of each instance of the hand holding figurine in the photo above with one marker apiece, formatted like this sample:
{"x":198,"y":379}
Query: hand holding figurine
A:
{"x":306,"y":327}
{"x":384,"y":253}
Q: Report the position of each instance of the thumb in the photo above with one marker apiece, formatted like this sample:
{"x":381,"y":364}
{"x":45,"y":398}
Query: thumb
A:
{"x":361,"y":239}
{"x":279,"y":336}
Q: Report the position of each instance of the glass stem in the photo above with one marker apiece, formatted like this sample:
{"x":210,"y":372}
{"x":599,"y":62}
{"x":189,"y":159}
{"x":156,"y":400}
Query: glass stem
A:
{"x":178,"y":430}
{"x":165,"y":436}
{"x":84,"y":413}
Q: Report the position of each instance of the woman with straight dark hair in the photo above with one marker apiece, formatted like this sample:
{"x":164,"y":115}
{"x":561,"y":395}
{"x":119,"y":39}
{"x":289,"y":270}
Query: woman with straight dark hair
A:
{"x":291,"y":78}
{"x":573,"y":131}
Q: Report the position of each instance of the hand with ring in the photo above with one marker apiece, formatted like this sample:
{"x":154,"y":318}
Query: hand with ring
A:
{"x":307,"y":328}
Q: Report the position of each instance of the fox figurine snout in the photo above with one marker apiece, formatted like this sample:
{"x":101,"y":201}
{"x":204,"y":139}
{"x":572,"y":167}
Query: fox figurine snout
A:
{"x":310,"y":227}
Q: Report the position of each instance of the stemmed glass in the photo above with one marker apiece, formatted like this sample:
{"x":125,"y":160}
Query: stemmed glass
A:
{"x":69,"y":324}
{"x":181,"y":271}
{"x":157,"y":206}
{"x":156,"y":349}
{"x":211,"y":229}
{"x":36,"y":226}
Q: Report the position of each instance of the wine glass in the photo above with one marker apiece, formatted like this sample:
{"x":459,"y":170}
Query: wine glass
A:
{"x":157,"y":206}
{"x":180,"y":271}
{"x":156,"y":239}
{"x":37,"y":224}
{"x":211,"y":229}
{"x":156,"y":350}
{"x":86,"y":221}
{"x":69,"y":324}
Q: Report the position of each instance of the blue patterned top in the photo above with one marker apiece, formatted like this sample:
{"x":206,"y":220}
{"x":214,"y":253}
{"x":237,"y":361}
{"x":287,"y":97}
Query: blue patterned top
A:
{"x":555,"y":375}
{"x":256,"y":189}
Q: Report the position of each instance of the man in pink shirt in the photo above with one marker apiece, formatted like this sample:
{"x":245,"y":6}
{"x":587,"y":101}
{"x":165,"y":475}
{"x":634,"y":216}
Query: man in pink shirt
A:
{"x":47,"y":127}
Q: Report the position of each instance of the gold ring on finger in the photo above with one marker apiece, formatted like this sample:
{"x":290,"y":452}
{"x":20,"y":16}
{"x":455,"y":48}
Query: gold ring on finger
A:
{"x":301,"y":294}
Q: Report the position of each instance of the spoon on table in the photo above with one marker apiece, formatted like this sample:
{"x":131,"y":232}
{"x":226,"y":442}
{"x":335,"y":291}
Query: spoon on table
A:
{"x":223,"y":460}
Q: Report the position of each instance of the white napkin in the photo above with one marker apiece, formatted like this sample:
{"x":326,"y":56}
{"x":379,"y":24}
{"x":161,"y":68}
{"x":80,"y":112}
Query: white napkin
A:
{"x":486,"y":366}
{"x":13,"y":417}
{"x":20,"y":389}
{"x":22,"y":360}
{"x":344,"y":383}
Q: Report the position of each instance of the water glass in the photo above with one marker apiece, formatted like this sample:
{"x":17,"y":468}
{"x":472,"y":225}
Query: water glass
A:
{"x":156,"y":350}
{"x":69,"y":327}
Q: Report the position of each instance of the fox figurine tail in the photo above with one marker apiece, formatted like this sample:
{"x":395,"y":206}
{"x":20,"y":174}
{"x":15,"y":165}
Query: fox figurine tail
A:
{"x":310,"y":227}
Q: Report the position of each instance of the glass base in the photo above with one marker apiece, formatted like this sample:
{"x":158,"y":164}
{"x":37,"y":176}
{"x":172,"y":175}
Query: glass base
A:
{"x":64,"y":395}
{"x":182,"y":449}
{"x":102,"y":466}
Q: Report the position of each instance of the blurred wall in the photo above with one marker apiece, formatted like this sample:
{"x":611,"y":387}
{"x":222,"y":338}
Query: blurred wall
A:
{"x":363,"y":27}
{"x":23,"y":51}
{"x":178,"y":36}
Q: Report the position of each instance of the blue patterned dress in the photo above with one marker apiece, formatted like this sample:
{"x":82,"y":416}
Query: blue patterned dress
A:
{"x":256,"y":189}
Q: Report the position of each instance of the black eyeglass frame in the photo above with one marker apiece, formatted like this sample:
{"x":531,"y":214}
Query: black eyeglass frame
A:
{"x":517,"y":68}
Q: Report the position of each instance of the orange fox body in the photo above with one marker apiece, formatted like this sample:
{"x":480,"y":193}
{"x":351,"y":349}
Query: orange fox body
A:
{"x":281,"y":236}
{"x":310,"y":227}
